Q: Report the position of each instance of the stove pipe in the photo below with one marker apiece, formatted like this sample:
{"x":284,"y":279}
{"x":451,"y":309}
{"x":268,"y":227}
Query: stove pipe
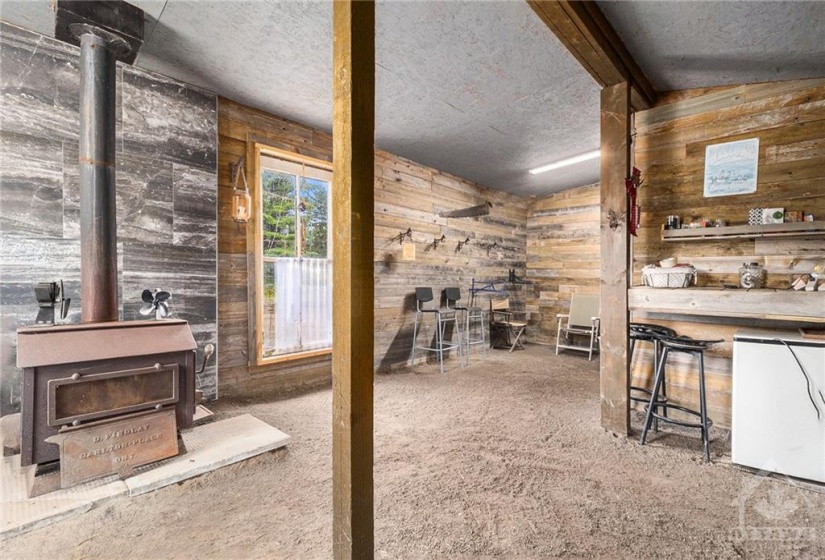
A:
{"x":99,"y":50}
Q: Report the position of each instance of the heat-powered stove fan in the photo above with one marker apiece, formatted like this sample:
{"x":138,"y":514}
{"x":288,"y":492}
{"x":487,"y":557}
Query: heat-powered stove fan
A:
{"x":156,"y":302}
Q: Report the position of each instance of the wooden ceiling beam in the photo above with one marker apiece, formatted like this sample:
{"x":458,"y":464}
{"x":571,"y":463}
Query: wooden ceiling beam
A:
{"x":586,"y":33}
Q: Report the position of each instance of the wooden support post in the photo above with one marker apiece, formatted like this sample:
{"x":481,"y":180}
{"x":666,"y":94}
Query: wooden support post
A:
{"x":615,"y":167}
{"x":353,"y":145}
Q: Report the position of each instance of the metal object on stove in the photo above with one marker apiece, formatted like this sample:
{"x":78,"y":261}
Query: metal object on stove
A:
{"x":156,"y":302}
{"x":48,"y":295}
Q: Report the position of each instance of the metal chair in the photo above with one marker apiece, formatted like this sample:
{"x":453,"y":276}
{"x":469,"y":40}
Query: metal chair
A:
{"x":442,"y":317}
{"x":647,"y":332}
{"x":583,"y":320}
{"x":471,"y":314}
{"x":502,"y":323}
{"x":694,"y":347}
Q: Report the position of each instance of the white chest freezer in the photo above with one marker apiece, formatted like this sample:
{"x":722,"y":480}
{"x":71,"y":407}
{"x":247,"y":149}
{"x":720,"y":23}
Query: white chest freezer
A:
{"x":779,"y":403}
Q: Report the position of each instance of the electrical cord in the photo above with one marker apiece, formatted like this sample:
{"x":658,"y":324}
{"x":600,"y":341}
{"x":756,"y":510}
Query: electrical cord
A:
{"x":807,"y":379}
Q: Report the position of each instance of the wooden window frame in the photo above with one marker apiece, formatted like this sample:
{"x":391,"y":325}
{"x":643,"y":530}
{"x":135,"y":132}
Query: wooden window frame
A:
{"x":254,"y":244}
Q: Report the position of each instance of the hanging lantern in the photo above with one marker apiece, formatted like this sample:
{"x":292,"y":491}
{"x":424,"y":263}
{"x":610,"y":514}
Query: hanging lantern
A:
{"x":241,"y":201}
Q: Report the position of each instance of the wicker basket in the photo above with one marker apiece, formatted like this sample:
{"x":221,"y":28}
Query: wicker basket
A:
{"x":676,"y":277}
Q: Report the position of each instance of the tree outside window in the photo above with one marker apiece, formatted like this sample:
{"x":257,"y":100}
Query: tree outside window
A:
{"x":296,"y":305}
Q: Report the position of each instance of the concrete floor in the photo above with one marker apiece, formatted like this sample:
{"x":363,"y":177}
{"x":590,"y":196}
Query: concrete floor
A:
{"x":501,"y":459}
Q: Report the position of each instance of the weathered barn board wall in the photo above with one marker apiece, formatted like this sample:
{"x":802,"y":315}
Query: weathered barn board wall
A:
{"x":166,"y":192}
{"x":562,"y":255}
{"x":407,"y":195}
{"x":237,"y":126}
{"x":789,"y":120}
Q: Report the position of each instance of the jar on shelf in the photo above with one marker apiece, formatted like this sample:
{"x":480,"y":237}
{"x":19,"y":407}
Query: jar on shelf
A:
{"x":751,"y":275}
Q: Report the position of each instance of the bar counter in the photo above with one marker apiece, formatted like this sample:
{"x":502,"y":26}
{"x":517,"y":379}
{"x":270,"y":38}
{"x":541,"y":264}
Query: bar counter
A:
{"x":764,"y":304}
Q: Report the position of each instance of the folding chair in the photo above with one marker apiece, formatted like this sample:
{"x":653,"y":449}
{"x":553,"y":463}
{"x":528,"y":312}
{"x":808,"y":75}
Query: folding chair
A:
{"x":502,"y":324}
{"x":583,"y":320}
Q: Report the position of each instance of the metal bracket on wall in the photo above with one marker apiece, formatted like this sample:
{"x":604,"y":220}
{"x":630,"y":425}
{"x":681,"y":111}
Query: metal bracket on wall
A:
{"x":462,"y":244}
{"x":437,"y":241}
{"x":236,"y":171}
{"x":403,"y":235}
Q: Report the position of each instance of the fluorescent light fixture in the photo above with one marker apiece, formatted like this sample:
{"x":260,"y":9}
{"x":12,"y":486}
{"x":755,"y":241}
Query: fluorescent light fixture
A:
{"x":565,"y":162}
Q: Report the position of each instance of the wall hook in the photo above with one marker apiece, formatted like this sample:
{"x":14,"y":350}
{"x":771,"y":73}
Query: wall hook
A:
{"x":403,"y":235}
{"x":614,"y":219}
{"x":437,"y":241}
{"x":462,"y":244}
{"x":491,"y":247}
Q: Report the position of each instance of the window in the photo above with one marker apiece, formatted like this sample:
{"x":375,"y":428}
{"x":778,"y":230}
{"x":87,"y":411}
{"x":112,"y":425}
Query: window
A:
{"x":295,"y":303}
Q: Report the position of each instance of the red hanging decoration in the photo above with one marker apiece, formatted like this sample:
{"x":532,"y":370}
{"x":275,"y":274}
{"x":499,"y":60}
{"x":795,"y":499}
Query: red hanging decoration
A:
{"x":632,"y":184}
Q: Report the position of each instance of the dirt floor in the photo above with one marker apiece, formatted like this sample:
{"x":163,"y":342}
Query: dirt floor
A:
{"x":504,"y":458}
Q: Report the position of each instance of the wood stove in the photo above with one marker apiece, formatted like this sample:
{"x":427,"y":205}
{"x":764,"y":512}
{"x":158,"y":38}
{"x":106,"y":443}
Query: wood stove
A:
{"x":102,"y":379}
{"x":74,"y":374}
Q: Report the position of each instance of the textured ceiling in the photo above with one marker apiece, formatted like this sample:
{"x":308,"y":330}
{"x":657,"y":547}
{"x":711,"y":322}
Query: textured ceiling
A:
{"x":479,"y":89}
{"x":683,"y":45}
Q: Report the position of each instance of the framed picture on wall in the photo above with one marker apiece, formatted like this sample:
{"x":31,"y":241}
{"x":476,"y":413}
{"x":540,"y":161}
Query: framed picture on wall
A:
{"x":730,"y":168}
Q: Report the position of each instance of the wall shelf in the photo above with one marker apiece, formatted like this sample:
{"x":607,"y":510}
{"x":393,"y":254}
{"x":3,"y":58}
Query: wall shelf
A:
{"x":793,"y":229}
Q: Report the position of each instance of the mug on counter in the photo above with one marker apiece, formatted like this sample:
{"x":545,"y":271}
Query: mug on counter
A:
{"x":673,"y":222}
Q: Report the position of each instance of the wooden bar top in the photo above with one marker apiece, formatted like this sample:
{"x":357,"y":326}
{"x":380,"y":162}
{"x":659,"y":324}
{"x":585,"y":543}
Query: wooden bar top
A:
{"x":769,"y":304}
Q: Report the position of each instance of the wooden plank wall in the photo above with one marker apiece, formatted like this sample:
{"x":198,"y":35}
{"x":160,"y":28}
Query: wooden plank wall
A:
{"x":562,"y":255}
{"x":789,"y":120}
{"x":237,"y":125}
{"x":407,"y":195}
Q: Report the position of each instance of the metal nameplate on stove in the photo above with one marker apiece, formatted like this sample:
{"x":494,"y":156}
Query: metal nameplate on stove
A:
{"x":115,"y":446}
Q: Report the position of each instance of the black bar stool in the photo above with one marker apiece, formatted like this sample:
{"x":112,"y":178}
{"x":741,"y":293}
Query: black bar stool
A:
{"x":442,"y":317}
{"x":683,"y":345}
{"x":471,"y":314}
{"x":648,"y":332}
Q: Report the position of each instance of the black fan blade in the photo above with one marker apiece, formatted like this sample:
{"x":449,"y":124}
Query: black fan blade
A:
{"x":147,"y":296}
{"x":162,"y":296}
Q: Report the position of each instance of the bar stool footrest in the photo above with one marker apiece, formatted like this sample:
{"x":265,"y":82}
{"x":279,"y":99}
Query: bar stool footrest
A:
{"x":662,"y":404}
{"x":647,"y":392}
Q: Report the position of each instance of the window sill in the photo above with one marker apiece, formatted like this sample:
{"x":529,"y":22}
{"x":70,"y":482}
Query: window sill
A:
{"x":293,"y":357}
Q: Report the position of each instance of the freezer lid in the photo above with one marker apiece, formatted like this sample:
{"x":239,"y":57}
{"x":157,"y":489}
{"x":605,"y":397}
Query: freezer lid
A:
{"x":766,"y":336}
